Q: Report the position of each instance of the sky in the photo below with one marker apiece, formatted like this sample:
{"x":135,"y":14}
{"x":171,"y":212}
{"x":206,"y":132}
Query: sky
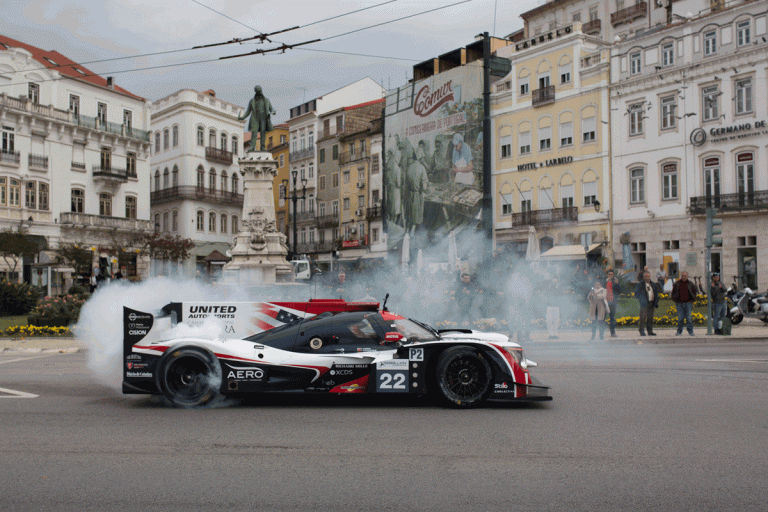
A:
{"x":88,"y":31}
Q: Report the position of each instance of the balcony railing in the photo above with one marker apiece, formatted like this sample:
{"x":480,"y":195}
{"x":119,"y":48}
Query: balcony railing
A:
{"x":347,"y":156}
{"x":39,"y":161}
{"x":315,"y":247}
{"x":302,"y":216}
{"x":629,"y":14}
{"x":592,"y":27}
{"x":67,"y":116}
{"x":78,"y":165}
{"x":543,"y":217}
{"x":10,"y":157}
{"x":109,"y":173}
{"x":544,"y":96}
{"x":301,"y":154}
{"x":86,"y":220}
{"x":739,"y":202}
{"x":197,"y":193}
{"x":220,"y":156}
{"x":374,"y":212}
{"x":328,"y":221}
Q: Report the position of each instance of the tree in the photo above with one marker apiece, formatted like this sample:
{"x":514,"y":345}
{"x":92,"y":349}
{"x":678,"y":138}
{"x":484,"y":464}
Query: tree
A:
{"x":79,"y":258}
{"x":14,"y":246}
{"x":166,"y":247}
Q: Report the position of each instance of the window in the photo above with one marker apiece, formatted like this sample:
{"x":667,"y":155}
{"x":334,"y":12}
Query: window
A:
{"x":212,"y":179}
{"x":157,"y":142}
{"x":335,"y":152}
{"x":525,"y":201}
{"x":101,"y":113}
{"x":303,"y":173}
{"x":127,"y":119}
{"x":588,"y":129}
{"x":667,"y":54}
{"x":235,"y":182}
{"x":302,"y":141}
{"x":166,"y":139}
{"x":175,"y":136}
{"x":282,"y":160}
{"x":223,"y":227}
{"x":576,"y":16}
{"x":743,"y":35}
{"x":212,"y":138}
{"x":374,"y":235}
{"x":33,"y":92}
{"x":74,"y":105}
{"x":339,"y":124}
{"x":175,"y":220}
{"x":224,"y":181}
{"x":565,"y":73}
{"x":545,"y":138}
{"x":157,"y":180}
{"x":566,"y":133}
{"x":43,"y":195}
{"x":361,"y":201}
{"x":524,"y":86}
{"x":311,"y":170}
{"x":130,"y":164}
{"x":745,"y":176}
{"x":8,"y":140}
{"x":200,"y":177}
{"x":200,"y":136}
{"x":3,"y":191}
{"x":593,"y":13}
{"x":669,"y":178}
{"x":743,"y":96}
{"x":590,"y":193}
{"x":711,"y":100}
{"x":283,"y":139}
{"x":668,"y":112}
{"x":105,"y":205}
{"x":175,"y":176}
{"x":346,"y":176}
{"x":131,"y":207}
{"x":360,"y":175}
{"x":157,"y":223}
{"x":566,"y":196}
{"x":311,"y":204}
{"x":166,"y":178}
{"x":321,"y":155}
{"x":30,"y":196}
{"x":14,"y":193}
{"x":165,"y":222}
{"x":321,"y":183}
{"x":212,"y":222}
{"x":311,"y":139}
{"x":635,"y":66}
{"x":335,"y":180}
{"x":506,"y":204}
{"x":636,"y":119}
{"x":223,"y":142}
{"x":546,"y":201}
{"x":637,"y":185}
{"x":235,"y":149}
{"x":710,"y":42}
{"x":335,"y":209}
{"x":346,"y":203}
{"x":525,"y":142}
{"x":321,"y":210}
{"x":375,"y":166}
{"x":200,"y":220}
{"x":106,"y":158}
{"x":506,"y":146}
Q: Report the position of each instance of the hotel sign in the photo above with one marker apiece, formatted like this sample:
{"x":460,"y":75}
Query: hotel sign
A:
{"x":543,"y":38}
{"x":552,"y":162}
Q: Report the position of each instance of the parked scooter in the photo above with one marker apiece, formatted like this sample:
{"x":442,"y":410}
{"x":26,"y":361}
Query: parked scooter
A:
{"x":747,"y":304}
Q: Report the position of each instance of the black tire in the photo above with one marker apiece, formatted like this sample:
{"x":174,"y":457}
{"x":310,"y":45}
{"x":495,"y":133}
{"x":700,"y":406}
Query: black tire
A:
{"x":189,"y":376}
{"x":737,"y":318}
{"x":464,"y":377}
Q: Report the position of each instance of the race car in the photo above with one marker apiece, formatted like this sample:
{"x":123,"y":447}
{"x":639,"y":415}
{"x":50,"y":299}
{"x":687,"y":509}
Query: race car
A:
{"x":320,"y":346}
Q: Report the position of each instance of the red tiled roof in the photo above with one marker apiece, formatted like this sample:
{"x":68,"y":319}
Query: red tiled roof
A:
{"x":56,"y":61}
{"x":364,"y":104}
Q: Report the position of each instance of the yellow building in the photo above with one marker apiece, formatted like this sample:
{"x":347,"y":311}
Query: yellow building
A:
{"x":277,"y":144}
{"x":551,"y":163}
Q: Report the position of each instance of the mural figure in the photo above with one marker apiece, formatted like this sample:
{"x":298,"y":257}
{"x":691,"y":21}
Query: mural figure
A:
{"x":393,"y":180}
{"x":463,"y":167}
{"x":416,"y":184}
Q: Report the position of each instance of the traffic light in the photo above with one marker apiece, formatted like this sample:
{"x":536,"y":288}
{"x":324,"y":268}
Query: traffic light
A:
{"x":714,"y":229}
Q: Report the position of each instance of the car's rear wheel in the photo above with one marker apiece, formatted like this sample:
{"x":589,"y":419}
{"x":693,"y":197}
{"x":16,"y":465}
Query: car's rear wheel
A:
{"x":464,"y":377}
{"x":189,"y":377}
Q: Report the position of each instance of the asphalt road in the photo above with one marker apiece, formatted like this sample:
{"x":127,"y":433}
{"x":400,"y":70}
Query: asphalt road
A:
{"x":632,"y":427}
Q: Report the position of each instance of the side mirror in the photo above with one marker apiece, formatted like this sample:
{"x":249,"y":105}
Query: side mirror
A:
{"x":393,"y":337}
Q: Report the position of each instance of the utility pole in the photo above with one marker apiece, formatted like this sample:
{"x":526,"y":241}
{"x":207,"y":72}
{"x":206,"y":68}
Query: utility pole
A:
{"x":714,"y":230}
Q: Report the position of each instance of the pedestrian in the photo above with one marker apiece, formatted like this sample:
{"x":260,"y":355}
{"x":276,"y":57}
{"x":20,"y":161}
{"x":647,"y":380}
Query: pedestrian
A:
{"x":553,"y":310}
{"x":719,"y":307}
{"x":465,"y":294}
{"x":612,"y":290}
{"x":684,"y":293}
{"x":647,"y":294}
{"x":93,"y":282}
{"x":597,"y":307}
{"x":640,"y":274}
{"x":661,"y":276}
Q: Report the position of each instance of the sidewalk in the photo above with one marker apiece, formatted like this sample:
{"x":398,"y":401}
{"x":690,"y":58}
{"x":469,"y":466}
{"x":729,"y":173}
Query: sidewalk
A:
{"x":748,"y":330}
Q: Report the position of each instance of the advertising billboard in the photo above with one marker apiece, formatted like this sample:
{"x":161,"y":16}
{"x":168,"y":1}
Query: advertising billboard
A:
{"x":433,"y":157}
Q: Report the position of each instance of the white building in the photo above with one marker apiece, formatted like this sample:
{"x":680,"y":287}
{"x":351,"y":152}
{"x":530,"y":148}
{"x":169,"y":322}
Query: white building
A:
{"x":196,"y":191}
{"x":689,"y":124}
{"x":74,"y":163}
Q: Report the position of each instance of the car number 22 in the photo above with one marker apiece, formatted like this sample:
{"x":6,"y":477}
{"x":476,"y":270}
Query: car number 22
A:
{"x":392,"y":381}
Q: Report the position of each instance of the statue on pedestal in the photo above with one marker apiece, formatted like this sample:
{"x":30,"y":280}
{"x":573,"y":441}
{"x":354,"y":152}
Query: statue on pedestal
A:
{"x":260,"y":123}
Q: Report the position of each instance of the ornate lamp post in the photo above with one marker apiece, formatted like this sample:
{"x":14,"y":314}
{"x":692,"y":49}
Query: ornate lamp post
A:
{"x":295,"y":198}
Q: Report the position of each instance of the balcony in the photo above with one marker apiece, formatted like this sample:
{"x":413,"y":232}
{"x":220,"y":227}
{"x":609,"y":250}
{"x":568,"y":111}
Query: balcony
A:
{"x":10,"y":157}
{"x":592,"y":27}
{"x":220,"y":156}
{"x":374,"y":213}
{"x":301,"y":154}
{"x":196,"y":193}
{"x":328,"y":221}
{"x":351,"y":156}
{"x":78,"y":165}
{"x":546,"y":217}
{"x":740,"y":202}
{"x":38,"y":162}
{"x":544,"y":96}
{"x":315,"y":247}
{"x":629,"y":14}
{"x":109,"y":173}
{"x":85,"y":220}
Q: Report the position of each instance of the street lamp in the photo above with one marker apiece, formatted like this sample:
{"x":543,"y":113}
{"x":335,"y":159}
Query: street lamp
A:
{"x":295,"y":199}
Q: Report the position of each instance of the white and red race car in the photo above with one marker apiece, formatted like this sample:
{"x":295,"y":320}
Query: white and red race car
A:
{"x":320,"y":346}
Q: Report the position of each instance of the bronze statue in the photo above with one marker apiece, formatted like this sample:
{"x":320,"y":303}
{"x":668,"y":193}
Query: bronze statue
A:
{"x":260,"y":123}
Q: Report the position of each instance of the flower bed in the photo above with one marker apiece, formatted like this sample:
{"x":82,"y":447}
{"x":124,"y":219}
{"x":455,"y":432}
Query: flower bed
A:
{"x":23,"y":331}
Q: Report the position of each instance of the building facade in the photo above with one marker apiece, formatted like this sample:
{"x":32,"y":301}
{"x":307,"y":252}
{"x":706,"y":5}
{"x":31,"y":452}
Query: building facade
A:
{"x":277,"y":144}
{"x":74,"y":165}
{"x":196,"y":191}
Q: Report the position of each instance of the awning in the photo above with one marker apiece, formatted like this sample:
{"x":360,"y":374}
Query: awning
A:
{"x":569,"y":252}
{"x":216,"y":257}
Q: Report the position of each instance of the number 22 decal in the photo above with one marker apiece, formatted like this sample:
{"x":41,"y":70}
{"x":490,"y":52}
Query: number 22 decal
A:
{"x":390,"y":381}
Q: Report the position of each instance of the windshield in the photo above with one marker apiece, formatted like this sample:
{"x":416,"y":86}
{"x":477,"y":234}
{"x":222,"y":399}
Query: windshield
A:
{"x":413,"y":331}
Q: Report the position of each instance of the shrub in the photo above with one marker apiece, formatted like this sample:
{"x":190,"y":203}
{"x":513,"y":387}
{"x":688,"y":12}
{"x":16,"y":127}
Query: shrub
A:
{"x":65,"y":308}
{"x":17,"y":298}
{"x":76,"y":290}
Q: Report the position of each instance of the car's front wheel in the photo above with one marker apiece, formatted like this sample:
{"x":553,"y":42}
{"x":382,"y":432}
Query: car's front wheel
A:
{"x":464,"y":376}
{"x":189,"y":377}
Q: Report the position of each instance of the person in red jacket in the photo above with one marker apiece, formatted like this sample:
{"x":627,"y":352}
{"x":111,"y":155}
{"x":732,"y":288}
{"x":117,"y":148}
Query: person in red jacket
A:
{"x":684,"y":293}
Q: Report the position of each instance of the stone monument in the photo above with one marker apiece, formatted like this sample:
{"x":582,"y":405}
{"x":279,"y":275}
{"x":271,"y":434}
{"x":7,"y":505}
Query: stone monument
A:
{"x":259,"y":254}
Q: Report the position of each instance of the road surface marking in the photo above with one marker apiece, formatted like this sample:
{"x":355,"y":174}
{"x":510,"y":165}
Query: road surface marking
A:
{"x":732,"y":360}
{"x":26,"y":358}
{"x":15,"y":394}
